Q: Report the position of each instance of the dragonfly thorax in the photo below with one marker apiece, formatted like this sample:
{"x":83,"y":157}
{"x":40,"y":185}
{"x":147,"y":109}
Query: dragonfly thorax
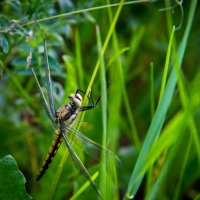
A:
{"x":67,"y":113}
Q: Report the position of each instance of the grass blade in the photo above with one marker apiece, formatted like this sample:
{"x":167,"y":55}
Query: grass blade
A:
{"x":161,"y":111}
{"x":103,"y":183}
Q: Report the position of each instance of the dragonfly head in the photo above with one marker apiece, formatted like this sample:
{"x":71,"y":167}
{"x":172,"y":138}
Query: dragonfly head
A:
{"x":76,"y":100}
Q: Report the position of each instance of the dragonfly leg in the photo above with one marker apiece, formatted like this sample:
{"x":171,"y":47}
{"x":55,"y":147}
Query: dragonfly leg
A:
{"x":80,"y":91}
{"x":91,"y":101}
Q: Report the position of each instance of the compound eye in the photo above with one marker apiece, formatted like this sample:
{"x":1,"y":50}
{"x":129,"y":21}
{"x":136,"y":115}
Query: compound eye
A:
{"x":79,"y":97}
{"x":71,"y":97}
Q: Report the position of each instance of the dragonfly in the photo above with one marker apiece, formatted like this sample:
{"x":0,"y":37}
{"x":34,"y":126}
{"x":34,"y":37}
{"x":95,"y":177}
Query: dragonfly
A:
{"x":63,"y":119}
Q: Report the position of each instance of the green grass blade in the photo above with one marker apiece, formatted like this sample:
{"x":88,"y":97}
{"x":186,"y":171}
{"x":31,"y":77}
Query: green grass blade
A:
{"x":77,"y":12}
{"x":65,"y":155}
{"x":164,"y":78}
{"x":115,"y":99}
{"x":161,"y":111}
{"x":163,"y":84}
{"x":20,"y":89}
{"x":135,"y":41}
{"x":166,"y":139}
{"x":105,"y":45}
{"x":185,"y":100}
{"x":79,"y":58}
{"x":152,"y":90}
{"x":84,"y":187}
{"x":178,"y":185}
{"x":103,"y":182}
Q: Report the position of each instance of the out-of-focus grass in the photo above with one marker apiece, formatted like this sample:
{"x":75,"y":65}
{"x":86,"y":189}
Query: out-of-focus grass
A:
{"x":108,"y":50}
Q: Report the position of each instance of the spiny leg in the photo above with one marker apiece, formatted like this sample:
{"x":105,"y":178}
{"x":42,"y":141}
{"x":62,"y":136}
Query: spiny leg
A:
{"x":79,"y":91}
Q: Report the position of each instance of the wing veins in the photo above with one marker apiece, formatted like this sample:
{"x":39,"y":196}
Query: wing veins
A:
{"x":47,"y":109}
{"x":48,"y":79}
{"x":79,"y":164}
{"x":92,"y":148}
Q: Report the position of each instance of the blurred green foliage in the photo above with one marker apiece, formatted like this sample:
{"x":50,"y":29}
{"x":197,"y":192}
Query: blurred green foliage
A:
{"x":134,"y":65}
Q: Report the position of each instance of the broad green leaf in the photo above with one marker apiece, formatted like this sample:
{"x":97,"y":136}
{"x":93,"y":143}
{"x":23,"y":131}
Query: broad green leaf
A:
{"x":12,"y":181}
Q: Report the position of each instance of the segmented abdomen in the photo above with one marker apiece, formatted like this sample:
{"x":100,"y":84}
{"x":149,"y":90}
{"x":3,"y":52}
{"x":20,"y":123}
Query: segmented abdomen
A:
{"x":57,"y":140}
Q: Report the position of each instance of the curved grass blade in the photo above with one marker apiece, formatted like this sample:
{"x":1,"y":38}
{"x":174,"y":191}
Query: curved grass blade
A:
{"x":79,"y":164}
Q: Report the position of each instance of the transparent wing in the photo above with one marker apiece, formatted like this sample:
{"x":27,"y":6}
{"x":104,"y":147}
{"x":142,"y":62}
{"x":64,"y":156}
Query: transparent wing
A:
{"x":48,"y":111}
{"x":90,"y":147}
{"x":48,"y":79}
{"x":79,"y":164}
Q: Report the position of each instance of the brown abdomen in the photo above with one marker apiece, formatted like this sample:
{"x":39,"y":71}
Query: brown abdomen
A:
{"x":57,"y":140}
